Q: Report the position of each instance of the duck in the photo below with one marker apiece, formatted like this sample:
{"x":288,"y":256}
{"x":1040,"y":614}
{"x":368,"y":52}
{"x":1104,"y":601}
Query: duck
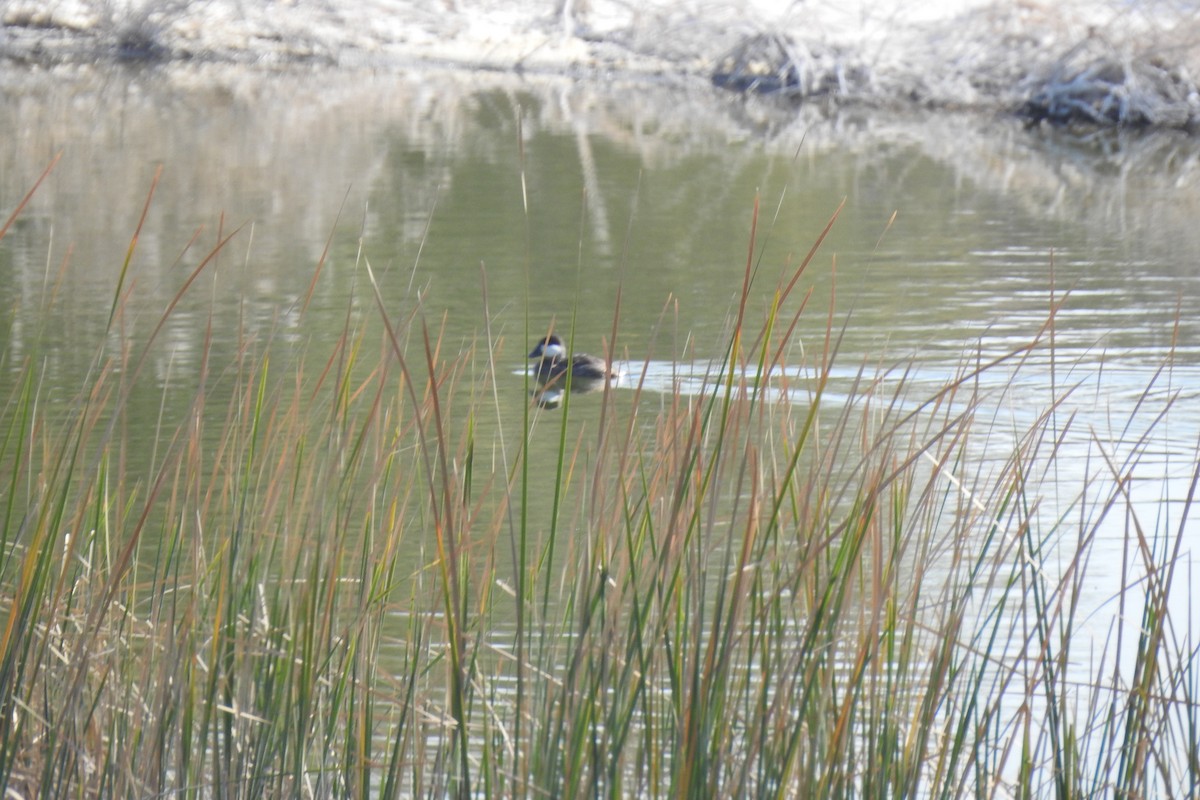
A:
{"x":553,"y":361}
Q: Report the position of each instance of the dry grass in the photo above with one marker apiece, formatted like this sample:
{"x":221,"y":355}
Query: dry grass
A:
{"x":835,"y":587}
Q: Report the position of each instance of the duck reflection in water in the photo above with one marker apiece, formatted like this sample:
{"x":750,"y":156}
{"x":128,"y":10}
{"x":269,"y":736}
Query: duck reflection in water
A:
{"x":552,"y":365}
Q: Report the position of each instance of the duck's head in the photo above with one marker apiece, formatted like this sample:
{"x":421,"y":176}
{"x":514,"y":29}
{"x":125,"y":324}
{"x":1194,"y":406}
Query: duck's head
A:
{"x":550,"y":348}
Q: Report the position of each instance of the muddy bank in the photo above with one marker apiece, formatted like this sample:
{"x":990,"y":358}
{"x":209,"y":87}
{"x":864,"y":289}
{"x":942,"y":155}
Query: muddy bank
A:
{"x":1090,"y":61}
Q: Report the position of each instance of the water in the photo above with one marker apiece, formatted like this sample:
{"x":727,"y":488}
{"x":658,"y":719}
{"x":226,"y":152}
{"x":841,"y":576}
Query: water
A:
{"x":637,"y":191}
{"x":636,"y":194}
{"x":957,"y":237}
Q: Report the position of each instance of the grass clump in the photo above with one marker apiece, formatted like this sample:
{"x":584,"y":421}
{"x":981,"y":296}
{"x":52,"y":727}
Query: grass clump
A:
{"x":802,"y":581}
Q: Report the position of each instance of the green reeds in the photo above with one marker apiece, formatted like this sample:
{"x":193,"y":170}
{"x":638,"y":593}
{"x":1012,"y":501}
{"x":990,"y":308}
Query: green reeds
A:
{"x":809,"y":579}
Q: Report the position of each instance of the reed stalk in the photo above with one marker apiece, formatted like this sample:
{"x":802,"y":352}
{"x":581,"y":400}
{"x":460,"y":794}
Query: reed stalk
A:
{"x":805,"y":580}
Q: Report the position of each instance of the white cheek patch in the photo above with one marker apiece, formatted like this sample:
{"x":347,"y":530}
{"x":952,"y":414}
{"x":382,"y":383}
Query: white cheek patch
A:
{"x":553,"y":351}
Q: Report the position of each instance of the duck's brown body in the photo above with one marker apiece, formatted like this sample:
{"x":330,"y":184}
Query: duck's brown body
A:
{"x":553,"y":362}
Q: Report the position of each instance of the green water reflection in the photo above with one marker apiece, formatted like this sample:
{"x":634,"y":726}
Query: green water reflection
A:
{"x":573,"y":205}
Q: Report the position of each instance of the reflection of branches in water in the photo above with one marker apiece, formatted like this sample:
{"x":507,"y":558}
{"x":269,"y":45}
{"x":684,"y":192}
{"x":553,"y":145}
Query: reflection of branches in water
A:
{"x":596,"y":203}
{"x":244,"y":135}
{"x":1056,"y":173}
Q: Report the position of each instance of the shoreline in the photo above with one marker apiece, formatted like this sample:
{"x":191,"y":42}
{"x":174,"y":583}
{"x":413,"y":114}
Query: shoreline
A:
{"x":1083,"y":61}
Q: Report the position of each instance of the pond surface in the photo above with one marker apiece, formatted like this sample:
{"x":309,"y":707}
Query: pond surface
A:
{"x":508,"y":207}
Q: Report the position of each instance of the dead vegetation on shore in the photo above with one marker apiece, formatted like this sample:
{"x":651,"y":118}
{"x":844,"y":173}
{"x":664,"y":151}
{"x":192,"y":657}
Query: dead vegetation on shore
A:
{"x":1086,"y":62}
{"x":1054,"y":69}
{"x":1094,"y":85}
